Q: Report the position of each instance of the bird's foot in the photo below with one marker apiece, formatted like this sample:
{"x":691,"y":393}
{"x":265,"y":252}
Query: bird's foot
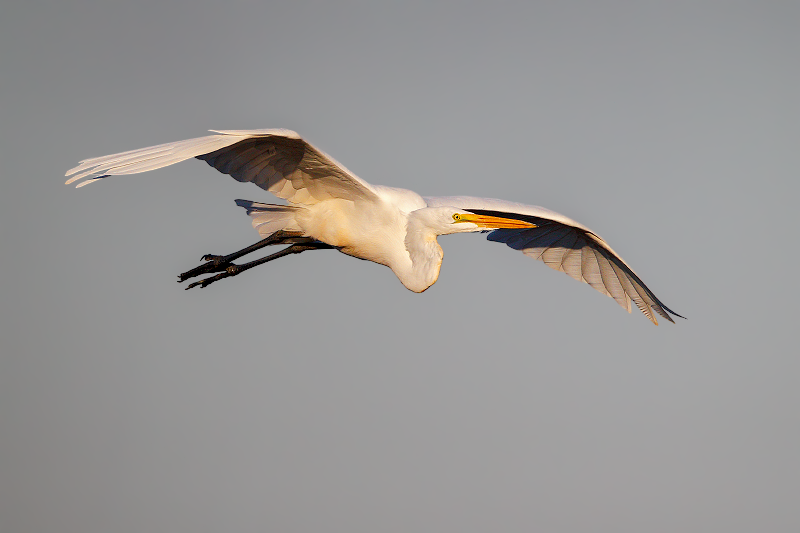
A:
{"x":213,"y":263}
{"x":230,"y":270}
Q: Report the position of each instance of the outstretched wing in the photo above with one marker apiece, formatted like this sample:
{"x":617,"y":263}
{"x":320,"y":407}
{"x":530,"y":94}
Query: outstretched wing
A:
{"x":568,"y":246}
{"x":279,"y":161}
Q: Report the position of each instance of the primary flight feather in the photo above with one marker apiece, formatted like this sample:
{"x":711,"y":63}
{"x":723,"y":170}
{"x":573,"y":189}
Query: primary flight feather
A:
{"x":330,"y":207}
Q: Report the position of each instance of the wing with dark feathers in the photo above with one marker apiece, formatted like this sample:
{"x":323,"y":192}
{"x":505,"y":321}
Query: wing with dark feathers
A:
{"x":566,"y":245}
{"x":585,"y":257}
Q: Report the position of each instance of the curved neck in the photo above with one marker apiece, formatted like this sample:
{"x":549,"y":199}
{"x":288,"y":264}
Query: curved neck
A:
{"x":422,"y":270}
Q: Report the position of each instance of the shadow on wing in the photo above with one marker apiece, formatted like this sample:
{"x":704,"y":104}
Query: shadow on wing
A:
{"x":582,"y":255}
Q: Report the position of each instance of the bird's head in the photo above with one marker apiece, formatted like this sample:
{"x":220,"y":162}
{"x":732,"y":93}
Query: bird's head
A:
{"x":447,"y":220}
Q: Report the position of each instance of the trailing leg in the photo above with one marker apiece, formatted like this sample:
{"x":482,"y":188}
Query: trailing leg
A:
{"x":233,"y":270}
{"x":218,"y":263}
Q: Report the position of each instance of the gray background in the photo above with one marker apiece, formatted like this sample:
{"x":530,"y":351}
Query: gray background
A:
{"x":316,"y":393}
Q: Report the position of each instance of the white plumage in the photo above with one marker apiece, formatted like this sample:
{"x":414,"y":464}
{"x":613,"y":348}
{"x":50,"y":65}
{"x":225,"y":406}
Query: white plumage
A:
{"x":329,"y":205}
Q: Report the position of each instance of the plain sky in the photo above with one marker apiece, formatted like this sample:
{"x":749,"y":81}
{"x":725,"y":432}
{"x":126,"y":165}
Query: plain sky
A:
{"x":318,"y":394}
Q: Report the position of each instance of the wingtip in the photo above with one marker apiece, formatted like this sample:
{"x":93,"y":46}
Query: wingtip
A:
{"x":87,"y":182}
{"x":667,"y":315}
{"x":670,"y":311}
{"x":75,"y":169}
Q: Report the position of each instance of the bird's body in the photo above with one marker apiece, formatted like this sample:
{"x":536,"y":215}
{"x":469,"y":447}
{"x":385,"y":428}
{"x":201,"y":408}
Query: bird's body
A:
{"x":390,"y":231}
{"x":330,"y":207}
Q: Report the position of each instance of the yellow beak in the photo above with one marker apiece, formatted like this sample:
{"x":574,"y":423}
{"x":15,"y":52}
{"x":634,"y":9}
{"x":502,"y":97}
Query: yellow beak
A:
{"x":486,"y":221}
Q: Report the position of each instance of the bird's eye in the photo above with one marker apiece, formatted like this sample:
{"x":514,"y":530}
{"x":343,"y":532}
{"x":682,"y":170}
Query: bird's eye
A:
{"x":456,"y":217}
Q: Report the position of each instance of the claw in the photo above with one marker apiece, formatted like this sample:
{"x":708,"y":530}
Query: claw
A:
{"x":213,"y":263}
{"x":195,"y":284}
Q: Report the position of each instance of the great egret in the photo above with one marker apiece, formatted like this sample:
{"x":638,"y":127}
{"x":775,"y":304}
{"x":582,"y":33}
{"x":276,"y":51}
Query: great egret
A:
{"x":330,"y":207}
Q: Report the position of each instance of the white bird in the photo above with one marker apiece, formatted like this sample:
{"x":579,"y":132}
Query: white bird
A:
{"x":330,"y":207}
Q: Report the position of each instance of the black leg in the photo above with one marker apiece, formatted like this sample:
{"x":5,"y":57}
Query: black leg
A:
{"x":218,"y":263}
{"x":233,"y":270}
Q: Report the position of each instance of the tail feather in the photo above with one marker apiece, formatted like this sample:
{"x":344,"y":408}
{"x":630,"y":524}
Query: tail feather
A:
{"x":268,"y":218}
